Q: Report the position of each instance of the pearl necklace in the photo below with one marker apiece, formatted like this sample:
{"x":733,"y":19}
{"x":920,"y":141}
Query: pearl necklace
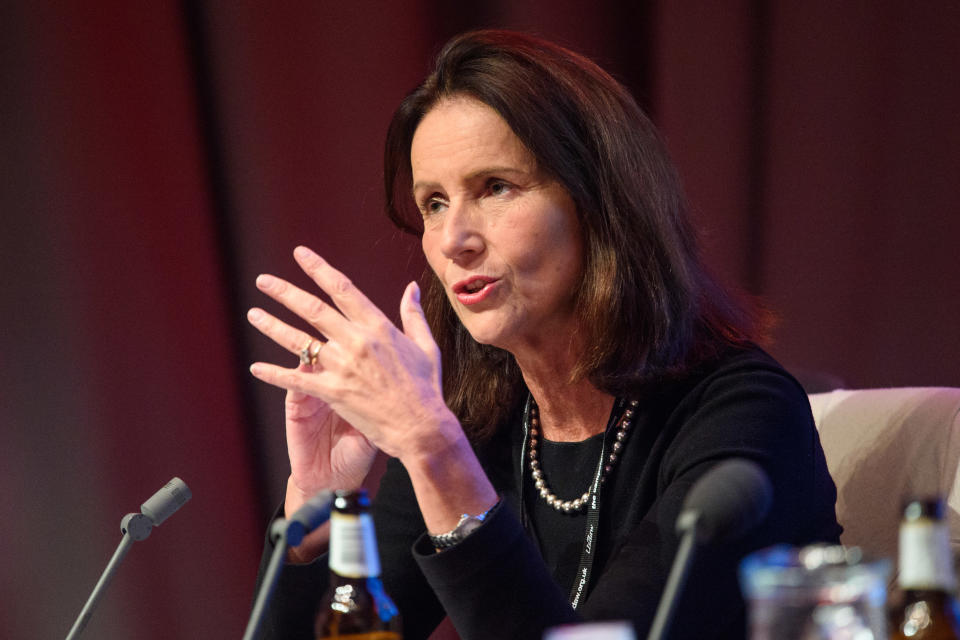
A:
{"x":572,"y":506}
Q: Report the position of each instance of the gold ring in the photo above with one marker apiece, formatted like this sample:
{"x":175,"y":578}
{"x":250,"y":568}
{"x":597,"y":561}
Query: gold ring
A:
{"x":310,"y":352}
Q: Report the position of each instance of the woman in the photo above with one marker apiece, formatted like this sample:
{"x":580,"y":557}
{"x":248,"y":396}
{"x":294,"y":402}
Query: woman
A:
{"x":571,"y":363}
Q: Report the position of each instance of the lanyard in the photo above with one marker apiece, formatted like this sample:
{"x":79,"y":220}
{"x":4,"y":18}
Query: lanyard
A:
{"x":581,"y":581}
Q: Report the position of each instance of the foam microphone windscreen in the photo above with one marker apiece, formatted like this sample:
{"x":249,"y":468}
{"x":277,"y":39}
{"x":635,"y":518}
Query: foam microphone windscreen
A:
{"x":308,"y":517}
{"x":165,"y":502}
{"x":729,"y":500}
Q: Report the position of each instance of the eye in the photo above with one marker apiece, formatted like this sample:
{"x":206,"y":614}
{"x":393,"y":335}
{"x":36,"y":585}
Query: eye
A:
{"x":432,"y":204}
{"x":498,"y":187}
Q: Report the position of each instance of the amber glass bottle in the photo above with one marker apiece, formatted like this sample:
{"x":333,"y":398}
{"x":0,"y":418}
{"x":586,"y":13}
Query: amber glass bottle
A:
{"x":355,"y":606}
{"x":924,"y":608}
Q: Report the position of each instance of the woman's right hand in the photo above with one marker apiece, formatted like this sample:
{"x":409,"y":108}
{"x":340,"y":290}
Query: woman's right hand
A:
{"x":370,"y":378}
{"x":325,"y":451}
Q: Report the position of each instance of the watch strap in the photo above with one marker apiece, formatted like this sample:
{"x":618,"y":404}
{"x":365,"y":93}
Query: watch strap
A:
{"x":464,"y":527}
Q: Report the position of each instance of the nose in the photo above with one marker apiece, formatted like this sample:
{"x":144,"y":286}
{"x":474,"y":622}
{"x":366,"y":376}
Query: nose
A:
{"x":460,"y":232}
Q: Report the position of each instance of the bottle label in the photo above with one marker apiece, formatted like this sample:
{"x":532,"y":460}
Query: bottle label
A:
{"x":925,"y":557}
{"x":353,"y":546}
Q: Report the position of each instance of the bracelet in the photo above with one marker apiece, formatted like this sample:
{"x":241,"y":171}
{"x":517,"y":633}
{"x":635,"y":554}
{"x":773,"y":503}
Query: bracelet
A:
{"x":467,"y":525}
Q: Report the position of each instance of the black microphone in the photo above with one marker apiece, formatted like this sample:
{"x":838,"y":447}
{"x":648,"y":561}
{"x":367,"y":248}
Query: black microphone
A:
{"x":286,"y":533}
{"x":728,"y":501}
{"x":724,"y":504}
{"x":135,"y":527}
{"x":311,"y":514}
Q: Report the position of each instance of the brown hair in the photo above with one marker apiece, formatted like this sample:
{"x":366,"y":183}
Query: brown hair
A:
{"x":647,"y":305}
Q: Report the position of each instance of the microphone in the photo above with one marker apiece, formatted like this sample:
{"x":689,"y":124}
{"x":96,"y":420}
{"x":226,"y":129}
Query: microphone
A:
{"x":164,"y":503}
{"x":159,"y":507}
{"x":313,"y":513}
{"x":135,"y":527}
{"x":287,"y":533}
{"x":724,"y":504}
{"x":727,"y":502}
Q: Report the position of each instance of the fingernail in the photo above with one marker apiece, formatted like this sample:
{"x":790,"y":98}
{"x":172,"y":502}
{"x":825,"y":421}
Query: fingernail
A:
{"x":255,"y":369}
{"x":254,"y":315}
{"x":264,"y":280}
{"x":415,"y":293}
{"x":303,"y":253}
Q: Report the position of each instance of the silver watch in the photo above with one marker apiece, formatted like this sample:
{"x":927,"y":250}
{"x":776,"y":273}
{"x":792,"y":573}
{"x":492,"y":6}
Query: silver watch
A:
{"x":467,"y":525}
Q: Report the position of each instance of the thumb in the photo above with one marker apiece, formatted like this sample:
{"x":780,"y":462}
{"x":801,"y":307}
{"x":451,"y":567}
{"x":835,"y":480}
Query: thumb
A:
{"x":414,"y":321}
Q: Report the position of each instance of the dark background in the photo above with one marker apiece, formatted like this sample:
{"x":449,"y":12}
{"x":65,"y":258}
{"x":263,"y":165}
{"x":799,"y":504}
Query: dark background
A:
{"x":156,"y":156}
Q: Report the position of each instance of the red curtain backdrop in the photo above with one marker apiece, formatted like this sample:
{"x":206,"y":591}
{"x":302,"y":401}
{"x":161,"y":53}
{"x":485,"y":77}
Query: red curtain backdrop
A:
{"x":157,"y":156}
{"x":819,"y":143}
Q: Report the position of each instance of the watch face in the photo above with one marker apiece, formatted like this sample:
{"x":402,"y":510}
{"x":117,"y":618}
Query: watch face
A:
{"x":469,"y":525}
{"x":465,"y":526}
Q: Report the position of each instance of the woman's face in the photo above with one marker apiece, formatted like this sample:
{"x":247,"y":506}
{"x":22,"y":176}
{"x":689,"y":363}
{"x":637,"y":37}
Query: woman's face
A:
{"x":501,"y":236}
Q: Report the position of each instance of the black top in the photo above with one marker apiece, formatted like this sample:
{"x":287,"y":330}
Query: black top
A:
{"x":568,"y":468}
{"x":496,"y":585}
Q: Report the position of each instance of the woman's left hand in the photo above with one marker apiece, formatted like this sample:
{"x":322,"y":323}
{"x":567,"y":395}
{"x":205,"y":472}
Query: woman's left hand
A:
{"x":383,"y":381}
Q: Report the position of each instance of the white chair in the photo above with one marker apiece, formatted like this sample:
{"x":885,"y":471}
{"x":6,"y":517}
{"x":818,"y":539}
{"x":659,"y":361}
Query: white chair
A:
{"x":884,"y":446}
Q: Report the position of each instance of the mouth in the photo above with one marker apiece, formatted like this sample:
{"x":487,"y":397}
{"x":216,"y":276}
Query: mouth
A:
{"x":474,"y":289}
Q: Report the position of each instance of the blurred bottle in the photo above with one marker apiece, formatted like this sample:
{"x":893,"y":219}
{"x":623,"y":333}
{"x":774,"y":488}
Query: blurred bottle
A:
{"x":924,"y":608}
{"x":355,"y":605}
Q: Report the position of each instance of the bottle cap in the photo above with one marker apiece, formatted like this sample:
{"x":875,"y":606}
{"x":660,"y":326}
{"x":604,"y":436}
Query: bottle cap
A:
{"x":929,"y":507}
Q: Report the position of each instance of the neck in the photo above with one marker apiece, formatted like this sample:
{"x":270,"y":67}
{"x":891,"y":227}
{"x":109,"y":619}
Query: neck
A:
{"x":569,"y":412}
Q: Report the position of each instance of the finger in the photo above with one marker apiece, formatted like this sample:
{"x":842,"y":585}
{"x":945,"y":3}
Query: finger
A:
{"x":351,"y":302}
{"x":293,"y":380}
{"x":290,"y":338}
{"x":326,"y":319}
{"x":294,"y":398}
{"x":414,"y":321}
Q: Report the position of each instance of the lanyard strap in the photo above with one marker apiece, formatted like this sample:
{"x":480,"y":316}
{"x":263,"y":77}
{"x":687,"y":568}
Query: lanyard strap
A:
{"x":581,"y":581}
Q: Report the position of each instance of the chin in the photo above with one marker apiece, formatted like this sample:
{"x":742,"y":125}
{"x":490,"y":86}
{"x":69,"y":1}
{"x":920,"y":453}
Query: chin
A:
{"x":484,"y":333}
{"x":482,"y":337}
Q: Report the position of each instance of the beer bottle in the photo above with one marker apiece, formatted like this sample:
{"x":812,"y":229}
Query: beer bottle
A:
{"x":355,"y":606}
{"x":926,"y":609}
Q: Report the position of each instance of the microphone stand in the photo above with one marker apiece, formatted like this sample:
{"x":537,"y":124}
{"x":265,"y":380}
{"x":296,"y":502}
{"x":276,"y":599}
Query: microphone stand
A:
{"x":687,"y":522}
{"x":726,"y":502}
{"x":135,"y":527}
{"x":285,"y":534}
{"x":278,"y":535}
